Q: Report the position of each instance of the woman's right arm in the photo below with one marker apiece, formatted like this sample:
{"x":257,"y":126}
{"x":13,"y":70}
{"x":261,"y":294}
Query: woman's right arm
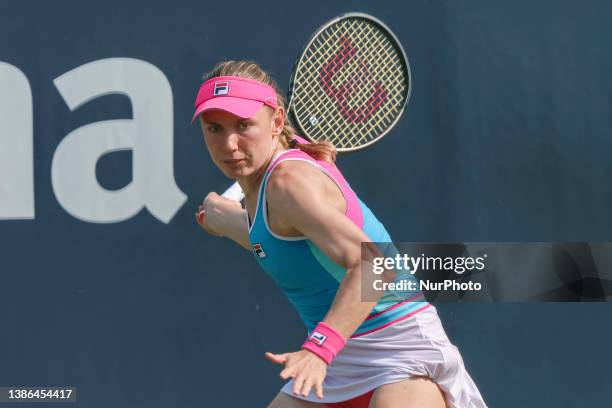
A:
{"x":224,"y":217}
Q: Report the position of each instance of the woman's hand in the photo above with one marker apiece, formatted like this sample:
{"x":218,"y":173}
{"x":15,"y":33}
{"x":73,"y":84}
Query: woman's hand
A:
{"x":212,"y":214}
{"x":306,"y":369}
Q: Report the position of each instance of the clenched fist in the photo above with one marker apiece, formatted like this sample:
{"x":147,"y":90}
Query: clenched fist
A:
{"x":213,"y":214}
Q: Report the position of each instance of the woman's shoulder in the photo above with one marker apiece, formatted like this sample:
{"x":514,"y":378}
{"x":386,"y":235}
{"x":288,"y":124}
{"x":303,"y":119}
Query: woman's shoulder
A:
{"x":293,"y":172}
{"x":297,"y":183}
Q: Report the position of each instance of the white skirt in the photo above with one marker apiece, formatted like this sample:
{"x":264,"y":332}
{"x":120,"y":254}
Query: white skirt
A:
{"x":416,"y":346}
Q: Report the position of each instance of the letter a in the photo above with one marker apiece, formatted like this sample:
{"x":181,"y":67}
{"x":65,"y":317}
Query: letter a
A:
{"x":149,"y":134}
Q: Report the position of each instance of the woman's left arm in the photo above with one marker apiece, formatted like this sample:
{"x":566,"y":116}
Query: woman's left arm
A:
{"x":297,"y":197}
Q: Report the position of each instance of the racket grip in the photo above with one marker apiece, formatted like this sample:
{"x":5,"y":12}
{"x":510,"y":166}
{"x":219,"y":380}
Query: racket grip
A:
{"x":234,"y":192}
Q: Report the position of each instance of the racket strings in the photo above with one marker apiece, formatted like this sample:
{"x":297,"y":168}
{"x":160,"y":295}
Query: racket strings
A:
{"x":351,"y":85}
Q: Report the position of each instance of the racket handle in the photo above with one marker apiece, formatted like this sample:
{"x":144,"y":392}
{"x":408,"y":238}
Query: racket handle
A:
{"x":234,"y":192}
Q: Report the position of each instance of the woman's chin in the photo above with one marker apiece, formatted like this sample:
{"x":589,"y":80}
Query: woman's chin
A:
{"x":235,"y":173}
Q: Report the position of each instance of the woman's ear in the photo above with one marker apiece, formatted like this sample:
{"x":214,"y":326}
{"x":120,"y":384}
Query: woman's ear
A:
{"x":278,"y":121}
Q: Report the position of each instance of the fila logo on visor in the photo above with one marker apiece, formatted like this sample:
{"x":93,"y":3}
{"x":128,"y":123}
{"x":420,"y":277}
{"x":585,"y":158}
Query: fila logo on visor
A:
{"x":318,"y":338}
{"x":221,"y":88}
{"x":258,"y":251}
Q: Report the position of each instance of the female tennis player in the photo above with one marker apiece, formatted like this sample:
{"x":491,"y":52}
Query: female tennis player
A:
{"x":305,"y":225}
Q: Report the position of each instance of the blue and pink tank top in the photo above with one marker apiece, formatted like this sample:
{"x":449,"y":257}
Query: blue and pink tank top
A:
{"x":307,"y":276}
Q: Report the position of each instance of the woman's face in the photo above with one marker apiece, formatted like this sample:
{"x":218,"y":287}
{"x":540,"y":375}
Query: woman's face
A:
{"x":238,"y":146}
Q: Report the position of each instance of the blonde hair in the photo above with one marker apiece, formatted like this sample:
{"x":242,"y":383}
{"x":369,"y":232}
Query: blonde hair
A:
{"x":322,"y":150}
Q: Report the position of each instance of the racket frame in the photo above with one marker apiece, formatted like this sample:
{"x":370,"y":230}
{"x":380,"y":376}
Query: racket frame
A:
{"x":300,"y":60}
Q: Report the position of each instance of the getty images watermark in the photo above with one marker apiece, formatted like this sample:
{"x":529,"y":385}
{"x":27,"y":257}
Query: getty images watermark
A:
{"x":404,"y":264}
{"x":512,"y":272}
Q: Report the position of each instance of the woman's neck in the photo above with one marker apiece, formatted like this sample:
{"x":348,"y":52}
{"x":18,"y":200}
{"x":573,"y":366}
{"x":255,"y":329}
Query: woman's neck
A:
{"x":250,"y":184}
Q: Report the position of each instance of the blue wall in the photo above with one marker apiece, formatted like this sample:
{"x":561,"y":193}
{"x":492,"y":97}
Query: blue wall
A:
{"x":506,"y":138}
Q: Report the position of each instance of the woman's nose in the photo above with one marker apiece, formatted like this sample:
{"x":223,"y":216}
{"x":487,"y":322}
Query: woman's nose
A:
{"x":231,"y":141}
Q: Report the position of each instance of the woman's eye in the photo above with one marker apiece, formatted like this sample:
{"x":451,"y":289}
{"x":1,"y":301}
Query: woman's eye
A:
{"x":243,"y":125}
{"x":213,"y":128}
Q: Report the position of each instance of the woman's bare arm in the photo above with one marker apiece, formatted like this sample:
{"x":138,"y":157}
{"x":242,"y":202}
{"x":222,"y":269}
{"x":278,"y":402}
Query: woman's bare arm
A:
{"x":298,"y":197}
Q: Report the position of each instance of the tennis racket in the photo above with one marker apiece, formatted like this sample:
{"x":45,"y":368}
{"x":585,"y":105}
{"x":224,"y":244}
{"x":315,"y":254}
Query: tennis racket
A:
{"x":349,"y":86}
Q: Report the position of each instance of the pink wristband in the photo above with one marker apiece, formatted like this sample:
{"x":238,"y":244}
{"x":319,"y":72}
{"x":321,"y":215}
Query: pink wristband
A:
{"x":325,"y":341}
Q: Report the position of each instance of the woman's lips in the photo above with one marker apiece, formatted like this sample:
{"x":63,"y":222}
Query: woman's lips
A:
{"x":233,"y":161}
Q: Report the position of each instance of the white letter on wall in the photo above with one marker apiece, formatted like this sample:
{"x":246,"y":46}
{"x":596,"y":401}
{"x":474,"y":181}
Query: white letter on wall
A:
{"x":149,"y":134}
{"x":16,"y":155}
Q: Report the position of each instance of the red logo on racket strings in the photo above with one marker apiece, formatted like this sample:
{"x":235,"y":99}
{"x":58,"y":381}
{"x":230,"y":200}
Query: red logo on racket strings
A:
{"x":342,"y":94}
{"x":318,"y":338}
{"x":258,"y":251}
